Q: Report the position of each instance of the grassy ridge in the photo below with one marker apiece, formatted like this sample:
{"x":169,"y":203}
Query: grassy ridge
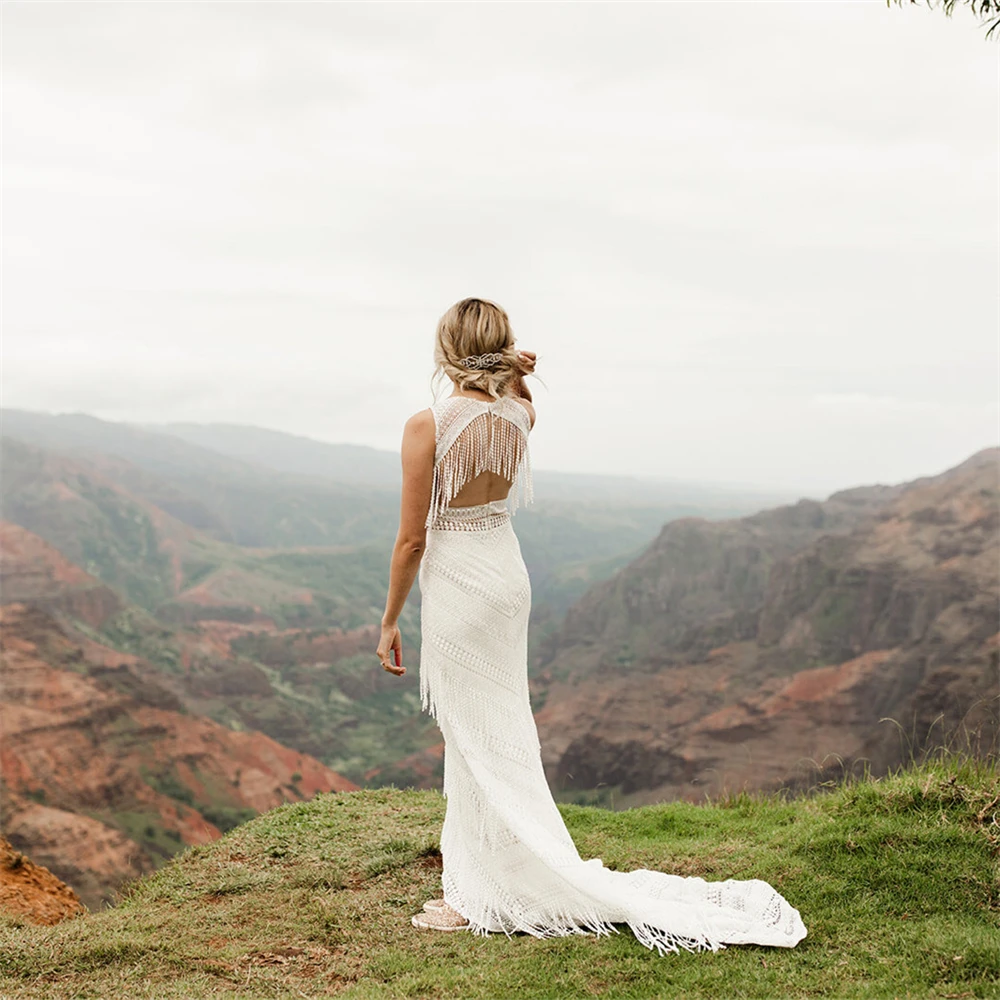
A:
{"x":896,"y":880}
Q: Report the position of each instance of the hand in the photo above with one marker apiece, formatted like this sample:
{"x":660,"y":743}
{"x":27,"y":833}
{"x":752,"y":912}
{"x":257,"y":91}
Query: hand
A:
{"x":526,"y":361}
{"x":391,"y":642}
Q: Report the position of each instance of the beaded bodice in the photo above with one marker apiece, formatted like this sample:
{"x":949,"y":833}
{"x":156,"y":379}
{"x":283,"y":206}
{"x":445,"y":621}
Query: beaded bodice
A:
{"x":474,"y":436}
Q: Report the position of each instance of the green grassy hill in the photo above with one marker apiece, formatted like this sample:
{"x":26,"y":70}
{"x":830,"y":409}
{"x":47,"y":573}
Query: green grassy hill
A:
{"x":896,"y":880}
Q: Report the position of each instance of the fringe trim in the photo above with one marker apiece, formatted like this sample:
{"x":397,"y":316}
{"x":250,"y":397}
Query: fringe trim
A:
{"x":491,"y":441}
{"x":667,"y":942}
{"x":490,"y":919}
{"x":428,"y":703}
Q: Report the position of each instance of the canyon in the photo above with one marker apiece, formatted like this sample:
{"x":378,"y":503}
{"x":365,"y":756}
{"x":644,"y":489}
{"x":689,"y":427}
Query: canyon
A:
{"x":783,"y":649}
{"x":105,"y":771}
{"x":187,"y":640}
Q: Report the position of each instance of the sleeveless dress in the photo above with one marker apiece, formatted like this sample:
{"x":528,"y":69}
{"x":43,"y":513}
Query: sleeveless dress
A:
{"x":509,"y":863}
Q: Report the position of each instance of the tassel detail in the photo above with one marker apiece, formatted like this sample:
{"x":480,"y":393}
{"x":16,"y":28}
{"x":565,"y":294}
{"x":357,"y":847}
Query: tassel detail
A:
{"x":471,"y":441}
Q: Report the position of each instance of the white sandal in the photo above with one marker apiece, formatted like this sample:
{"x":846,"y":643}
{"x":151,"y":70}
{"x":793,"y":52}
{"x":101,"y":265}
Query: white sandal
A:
{"x":440,"y":918}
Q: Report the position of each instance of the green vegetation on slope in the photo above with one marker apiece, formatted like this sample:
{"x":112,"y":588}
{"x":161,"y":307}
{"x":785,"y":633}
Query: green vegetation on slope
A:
{"x":188,"y":537}
{"x":104,"y":531}
{"x":896,"y":880}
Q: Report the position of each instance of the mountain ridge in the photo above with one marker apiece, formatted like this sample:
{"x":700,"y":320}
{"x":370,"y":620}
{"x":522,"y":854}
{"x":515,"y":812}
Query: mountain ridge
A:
{"x":245,"y":447}
{"x":724,"y":652}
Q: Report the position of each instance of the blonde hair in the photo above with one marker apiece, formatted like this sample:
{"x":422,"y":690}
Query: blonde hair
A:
{"x":473,"y":327}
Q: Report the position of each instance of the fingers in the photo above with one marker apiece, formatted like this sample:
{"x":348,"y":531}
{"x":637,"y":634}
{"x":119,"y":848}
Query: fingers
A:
{"x":383,"y":653}
{"x":391,"y":667}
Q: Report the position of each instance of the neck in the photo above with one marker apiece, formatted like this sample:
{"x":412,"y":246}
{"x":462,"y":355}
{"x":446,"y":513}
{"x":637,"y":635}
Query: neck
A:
{"x":470,"y":393}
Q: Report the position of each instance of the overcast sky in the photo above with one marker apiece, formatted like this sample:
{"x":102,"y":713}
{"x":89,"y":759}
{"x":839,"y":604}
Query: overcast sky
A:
{"x":751,"y":242}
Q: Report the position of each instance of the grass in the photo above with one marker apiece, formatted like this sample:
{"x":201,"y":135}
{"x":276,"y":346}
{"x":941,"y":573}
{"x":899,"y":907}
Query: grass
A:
{"x":896,"y":880}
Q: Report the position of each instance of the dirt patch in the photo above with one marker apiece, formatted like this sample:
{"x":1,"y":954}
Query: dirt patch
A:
{"x":290,"y":955}
{"x":33,"y":892}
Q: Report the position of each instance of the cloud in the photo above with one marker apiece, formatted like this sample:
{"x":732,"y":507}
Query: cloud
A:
{"x":732,"y":232}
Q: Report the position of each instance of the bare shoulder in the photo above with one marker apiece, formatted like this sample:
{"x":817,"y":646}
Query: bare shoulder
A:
{"x":419,"y":432}
{"x":420,"y":422}
{"x":528,"y":406}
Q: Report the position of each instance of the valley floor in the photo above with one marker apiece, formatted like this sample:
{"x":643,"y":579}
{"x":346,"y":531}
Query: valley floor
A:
{"x":896,"y":880}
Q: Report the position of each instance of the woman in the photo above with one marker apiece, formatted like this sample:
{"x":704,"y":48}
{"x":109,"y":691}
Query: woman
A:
{"x":509,"y":863}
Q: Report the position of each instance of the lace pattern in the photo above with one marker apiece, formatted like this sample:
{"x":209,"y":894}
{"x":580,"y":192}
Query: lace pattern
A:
{"x":480,"y":517}
{"x":509,"y":862}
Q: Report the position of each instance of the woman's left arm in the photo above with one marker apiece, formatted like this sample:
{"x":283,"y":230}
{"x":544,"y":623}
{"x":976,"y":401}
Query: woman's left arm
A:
{"x":417,"y":454}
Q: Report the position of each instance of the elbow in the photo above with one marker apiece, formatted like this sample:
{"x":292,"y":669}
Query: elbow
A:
{"x":412,"y":548}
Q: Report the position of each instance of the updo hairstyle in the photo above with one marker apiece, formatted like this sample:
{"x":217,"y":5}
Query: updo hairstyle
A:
{"x":473,"y":327}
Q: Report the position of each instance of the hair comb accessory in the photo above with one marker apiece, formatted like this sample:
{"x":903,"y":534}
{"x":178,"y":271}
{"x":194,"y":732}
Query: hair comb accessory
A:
{"x":480,"y":362}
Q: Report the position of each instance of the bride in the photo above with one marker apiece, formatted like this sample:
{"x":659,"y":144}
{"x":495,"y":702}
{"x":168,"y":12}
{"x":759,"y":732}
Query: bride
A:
{"x":509,"y":863}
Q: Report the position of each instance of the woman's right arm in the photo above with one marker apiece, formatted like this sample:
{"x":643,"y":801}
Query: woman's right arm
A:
{"x":417,"y":453}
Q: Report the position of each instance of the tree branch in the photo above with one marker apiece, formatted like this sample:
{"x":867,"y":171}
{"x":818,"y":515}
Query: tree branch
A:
{"x":988,"y":11}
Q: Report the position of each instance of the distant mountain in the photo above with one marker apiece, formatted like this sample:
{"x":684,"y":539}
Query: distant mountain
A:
{"x":226,"y":498}
{"x":289,"y":495}
{"x":359,"y":465}
{"x":765,"y":651}
{"x":291,"y":453}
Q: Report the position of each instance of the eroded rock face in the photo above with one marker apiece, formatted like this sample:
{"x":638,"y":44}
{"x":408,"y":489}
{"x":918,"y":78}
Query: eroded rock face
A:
{"x":105,"y":775}
{"x":769,"y":651}
{"x":279,"y":639}
{"x":33,"y":571}
{"x":32,"y":892}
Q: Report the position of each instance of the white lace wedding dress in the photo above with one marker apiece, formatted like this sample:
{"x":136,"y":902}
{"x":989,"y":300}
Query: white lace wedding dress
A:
{"x":509,"y":861}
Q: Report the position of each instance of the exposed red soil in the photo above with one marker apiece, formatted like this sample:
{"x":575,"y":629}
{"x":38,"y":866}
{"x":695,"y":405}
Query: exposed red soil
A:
{"x":30,"y":891}
{"x":90,"y":741}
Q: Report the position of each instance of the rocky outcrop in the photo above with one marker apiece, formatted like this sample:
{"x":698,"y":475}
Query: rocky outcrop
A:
{"x":32,"y":892}
{"x":771,"y":651}
{"x":91,"y":856}
{"x":699,"y":585}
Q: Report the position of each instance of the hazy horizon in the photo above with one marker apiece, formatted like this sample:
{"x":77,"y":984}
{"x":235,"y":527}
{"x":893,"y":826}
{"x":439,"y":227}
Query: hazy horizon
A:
{"x":754,"y":246}
{"x":778,"y":495}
